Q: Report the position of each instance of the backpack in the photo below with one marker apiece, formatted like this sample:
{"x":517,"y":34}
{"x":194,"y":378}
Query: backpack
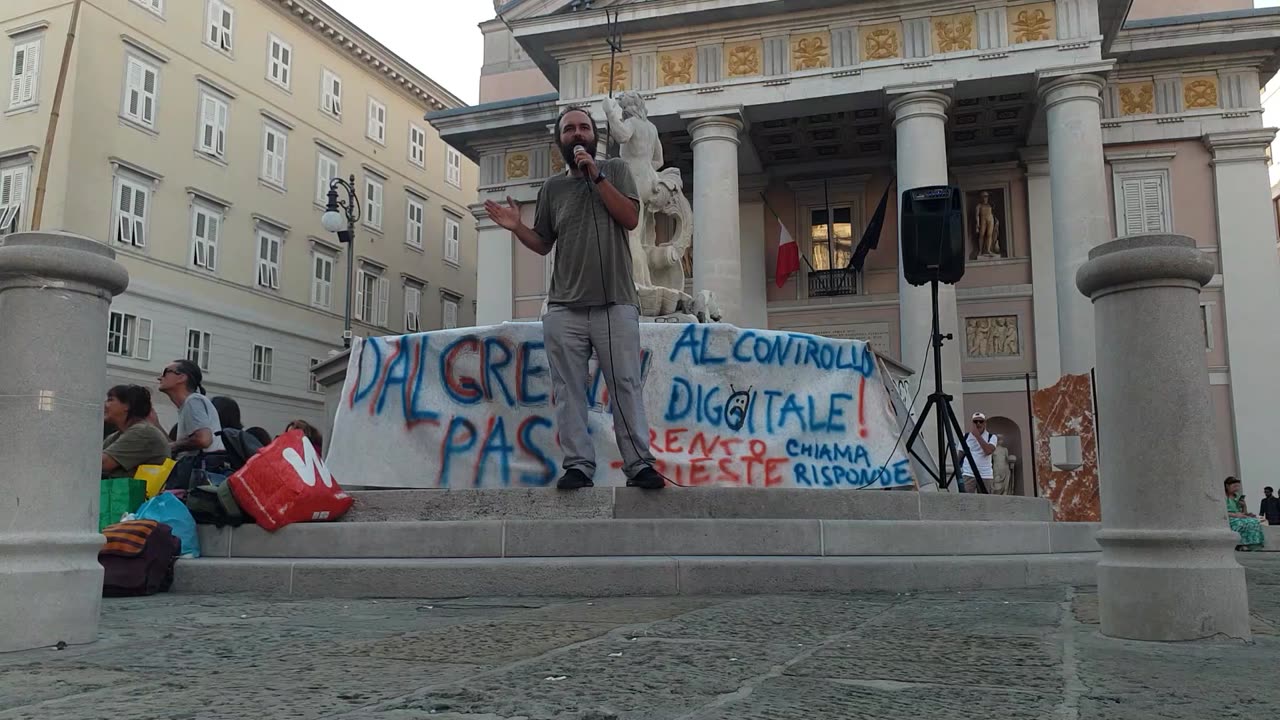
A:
{"x":215,"y":505}
{"x":238,"y":446}
{"x":138,"y":558}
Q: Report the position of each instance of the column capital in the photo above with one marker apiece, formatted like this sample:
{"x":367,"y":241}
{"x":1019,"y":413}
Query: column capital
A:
{"x":1057,"y":89}
{"x":715,"y":124}
{"x":919,"y":103}
{"x":1035,"y":159}
{"x":1239,"y":145}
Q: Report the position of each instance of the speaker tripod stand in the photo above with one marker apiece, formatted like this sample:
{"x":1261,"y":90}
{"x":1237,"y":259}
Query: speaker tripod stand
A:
{"x":951,"y":444}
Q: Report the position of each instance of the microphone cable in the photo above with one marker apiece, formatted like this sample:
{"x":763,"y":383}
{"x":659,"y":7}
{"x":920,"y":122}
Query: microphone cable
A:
{"x":604,"y":280}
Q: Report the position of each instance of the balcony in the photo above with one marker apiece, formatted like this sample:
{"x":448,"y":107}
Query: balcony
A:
{"x":832,"y":283}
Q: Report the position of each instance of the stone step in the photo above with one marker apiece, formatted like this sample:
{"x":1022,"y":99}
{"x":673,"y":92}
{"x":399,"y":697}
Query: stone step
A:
{"x":673,"y":502}
{"x":638,"y":537}
{"x":616,"y":576}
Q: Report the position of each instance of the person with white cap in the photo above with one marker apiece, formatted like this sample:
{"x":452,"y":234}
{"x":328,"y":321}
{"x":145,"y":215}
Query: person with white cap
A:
{"x":982,"y":445}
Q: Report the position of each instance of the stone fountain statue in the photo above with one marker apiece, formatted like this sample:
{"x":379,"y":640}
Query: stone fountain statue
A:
{"x":658,"y":269}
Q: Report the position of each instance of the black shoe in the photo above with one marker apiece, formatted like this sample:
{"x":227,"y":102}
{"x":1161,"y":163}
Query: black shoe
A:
{"x":574,"y":479}
{"x":647,"y":479}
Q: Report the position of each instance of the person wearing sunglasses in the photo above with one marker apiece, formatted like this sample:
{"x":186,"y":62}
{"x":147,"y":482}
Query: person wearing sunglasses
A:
{"x":198,"y":424}
{"x":982,"y":445}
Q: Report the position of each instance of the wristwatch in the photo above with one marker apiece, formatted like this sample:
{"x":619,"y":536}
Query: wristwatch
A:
{"x":600,"y":177}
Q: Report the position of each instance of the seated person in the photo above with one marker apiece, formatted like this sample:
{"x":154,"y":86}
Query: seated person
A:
{"x":309,"y":430}
{"x":135,"y":441}
{"x":198,"y":425}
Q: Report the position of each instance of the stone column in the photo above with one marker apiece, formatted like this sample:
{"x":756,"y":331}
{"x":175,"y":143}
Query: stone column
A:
{"x":755,"y":301}
{"x":494,"y":294}
{"x":1251,"y":293}
{"x":1043,"y":275}
{"x":1081,"y":218}
{"x":920,"y":119}
{"x":1167,"y":574}
{"x":717,"y":252}
{"x":55,"y":291}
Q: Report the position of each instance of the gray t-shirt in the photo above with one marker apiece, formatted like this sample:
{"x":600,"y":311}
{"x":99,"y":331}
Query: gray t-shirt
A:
{"x":564,"y":217}
{"x":197,"y":412}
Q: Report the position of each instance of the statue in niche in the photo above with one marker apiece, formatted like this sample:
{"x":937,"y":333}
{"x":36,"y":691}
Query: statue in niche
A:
{"x":986,"y":227}
{"x":658,"y":269}
{"x":1002,"y":471}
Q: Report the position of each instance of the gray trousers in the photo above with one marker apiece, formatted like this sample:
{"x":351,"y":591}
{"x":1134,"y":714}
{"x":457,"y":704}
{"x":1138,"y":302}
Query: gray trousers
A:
{"x":570,"y":335}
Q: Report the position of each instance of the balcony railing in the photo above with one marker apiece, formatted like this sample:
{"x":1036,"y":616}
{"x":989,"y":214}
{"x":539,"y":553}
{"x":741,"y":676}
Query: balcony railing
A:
{"x":831,"y":283}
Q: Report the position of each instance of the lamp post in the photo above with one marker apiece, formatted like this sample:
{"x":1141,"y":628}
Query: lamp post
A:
{"x":341,"y":216}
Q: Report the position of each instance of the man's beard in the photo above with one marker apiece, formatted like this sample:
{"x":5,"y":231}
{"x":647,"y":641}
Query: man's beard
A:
{"x":567,"y":152}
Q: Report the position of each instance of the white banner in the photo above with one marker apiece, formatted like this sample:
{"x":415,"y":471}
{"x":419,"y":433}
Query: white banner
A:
{"x":726,"y":407}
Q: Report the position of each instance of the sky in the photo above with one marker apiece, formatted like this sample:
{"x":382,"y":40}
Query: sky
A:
{"x":439,"y":37}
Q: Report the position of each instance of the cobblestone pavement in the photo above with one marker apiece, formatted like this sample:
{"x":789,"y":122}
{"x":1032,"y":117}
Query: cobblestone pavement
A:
{"x":990,"y":655}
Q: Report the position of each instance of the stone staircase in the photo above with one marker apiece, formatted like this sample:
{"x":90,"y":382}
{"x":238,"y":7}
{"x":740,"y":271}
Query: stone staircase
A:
{"x":621,"y":541}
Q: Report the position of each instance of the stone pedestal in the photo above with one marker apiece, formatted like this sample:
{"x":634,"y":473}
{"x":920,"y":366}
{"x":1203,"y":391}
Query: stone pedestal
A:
{"x":55,"y":291}
{"x":1168,"y":572}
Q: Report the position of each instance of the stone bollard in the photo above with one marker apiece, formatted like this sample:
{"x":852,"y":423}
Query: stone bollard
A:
{"x":1167,"y":574}
{"x":55,"y":291}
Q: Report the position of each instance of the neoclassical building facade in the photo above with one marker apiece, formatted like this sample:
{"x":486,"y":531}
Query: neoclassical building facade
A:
{"x":1065,"y":124}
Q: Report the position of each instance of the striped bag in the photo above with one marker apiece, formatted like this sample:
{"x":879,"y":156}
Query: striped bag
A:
{"x":138,"y":558}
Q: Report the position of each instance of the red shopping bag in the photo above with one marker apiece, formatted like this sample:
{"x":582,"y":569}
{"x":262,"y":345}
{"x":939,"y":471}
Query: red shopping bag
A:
{"x":287,"y":482}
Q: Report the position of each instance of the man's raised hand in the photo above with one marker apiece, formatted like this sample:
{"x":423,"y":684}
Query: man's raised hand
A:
{"x":505,"y":216}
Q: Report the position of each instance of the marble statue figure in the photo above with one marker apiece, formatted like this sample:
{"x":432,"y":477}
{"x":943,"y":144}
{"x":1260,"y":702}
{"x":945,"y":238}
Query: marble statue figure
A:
{"x":986,"y":227}
{"x":658,"y":269}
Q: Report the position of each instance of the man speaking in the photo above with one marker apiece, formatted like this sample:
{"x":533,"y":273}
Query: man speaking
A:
{"x":585,"y":213}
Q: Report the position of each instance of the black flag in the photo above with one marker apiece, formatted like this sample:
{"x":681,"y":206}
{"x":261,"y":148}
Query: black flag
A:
{"x":871,"y":237}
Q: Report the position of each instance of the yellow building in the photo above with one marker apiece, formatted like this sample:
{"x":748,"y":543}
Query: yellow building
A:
{"x":198,"y":139}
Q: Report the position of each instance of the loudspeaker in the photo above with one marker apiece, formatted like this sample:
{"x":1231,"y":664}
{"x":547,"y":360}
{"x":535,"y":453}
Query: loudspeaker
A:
{"x":932,"y":235}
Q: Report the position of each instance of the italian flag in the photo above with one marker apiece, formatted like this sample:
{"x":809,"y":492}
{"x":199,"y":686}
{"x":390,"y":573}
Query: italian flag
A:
{"x":788,"y":256}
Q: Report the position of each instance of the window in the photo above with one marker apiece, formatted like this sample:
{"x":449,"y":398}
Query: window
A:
{"x":412,"y":308}
{"x":835,"y":252}
{"x":129,"y":336}
{"x":206,"y":227}
{"x":140,"y":88}
{"x":453,"y":167}
{"x":326,"y":171}
{"x":449,"y":312}
{"x":377,"y":126}
{"x":155,"y":6}
{"x":14,"y":182}
{"x":417,"y":146}
{"x":268,"y":260}
{"x":373,"y":297}
{"x":198,"y":344}
{"x":1142,"y":203}
{"x":275,"y":147}
{"x":332,"y":102}
{"x":373,"y":203}
{"x":279,"y":61}
{"x":219,"y":21}
{"x":131,"y":208}
{"x":315,"y":385}
{"x":25,"y":76}
{"x":1206,"y":324}
{"x":413,"y":225}
{"x":322,"y":280}
{"x":451,"y":240}
{"x":262,"y":359}
{"x":213,"y":125}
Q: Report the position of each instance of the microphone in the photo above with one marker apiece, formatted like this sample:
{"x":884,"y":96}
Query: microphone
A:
{"x":576,"y":150}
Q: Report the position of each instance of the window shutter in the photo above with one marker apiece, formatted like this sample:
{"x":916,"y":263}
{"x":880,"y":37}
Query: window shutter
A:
{"x":359,"y":311}
{"x":142,"y":348}
{"x":1133,"y":221}
{"x":139,"y":217}
{"x":384,"y":300}
{"x":450,"y":314}
{"x":197,"y":240}
{"x":19,"y":74}
{"x":133,"y":81}
{"x":1153,"y":204}
{"x":220,"y":146}
{"x":148,"y":95}
{"x":31,"y":72}
{"x":208,"y":127}
{"x":211,"y":251}
{"x":227,"y":21}
{"x":215,"y":28}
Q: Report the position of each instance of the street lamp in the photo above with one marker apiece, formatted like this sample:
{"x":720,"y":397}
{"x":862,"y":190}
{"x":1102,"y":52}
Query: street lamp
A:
{"x":341,"y":216}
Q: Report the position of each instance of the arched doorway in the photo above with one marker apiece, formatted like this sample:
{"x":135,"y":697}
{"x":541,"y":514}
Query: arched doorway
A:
{"x":1011,"y":438}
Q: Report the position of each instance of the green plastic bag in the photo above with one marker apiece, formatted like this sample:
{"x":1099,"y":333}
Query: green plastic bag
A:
{"x":118,"y":496}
